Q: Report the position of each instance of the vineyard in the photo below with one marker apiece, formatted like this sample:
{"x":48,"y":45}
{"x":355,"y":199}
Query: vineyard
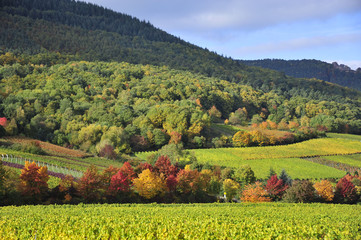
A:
{"x":196,"y":221}
{"x":339,"y":147}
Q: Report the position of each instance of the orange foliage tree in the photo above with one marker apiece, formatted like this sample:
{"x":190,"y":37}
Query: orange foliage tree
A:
{"x":324,"y":189}
{"x":34,"y":180}
{"x":255,"y":193}
{"x":149,"y":184}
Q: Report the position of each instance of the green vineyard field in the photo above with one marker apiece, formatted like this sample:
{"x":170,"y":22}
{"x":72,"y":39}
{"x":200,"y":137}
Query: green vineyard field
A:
{"x":194,"y":221}
{"x":288,"y":157}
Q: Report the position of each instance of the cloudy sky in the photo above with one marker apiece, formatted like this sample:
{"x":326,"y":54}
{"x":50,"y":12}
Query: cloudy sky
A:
{"x":328,"y":30}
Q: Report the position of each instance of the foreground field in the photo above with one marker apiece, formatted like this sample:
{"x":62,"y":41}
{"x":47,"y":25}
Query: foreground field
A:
{"x":196,"y":221}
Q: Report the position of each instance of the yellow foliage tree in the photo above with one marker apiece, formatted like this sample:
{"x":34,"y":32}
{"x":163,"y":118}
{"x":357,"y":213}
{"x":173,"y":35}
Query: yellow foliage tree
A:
{"x":230,"y":188}
{"x":325,"y":190}
{"x":255,"y":193}
{"x":149,"y":184}
{"x":241,"y":139}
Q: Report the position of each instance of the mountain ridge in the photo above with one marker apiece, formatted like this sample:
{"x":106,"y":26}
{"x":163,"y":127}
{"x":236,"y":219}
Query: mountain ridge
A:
{"x":310,"y":68}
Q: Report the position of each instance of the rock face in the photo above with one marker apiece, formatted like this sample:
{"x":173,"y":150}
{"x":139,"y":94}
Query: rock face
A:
{"x":341,"y":67}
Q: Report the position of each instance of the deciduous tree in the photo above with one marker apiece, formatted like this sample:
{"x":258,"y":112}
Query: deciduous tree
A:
{"x":324,"y":190}
{"x":34,"y":180}
{"x":149,"y":184}
{"x":255,"y":193}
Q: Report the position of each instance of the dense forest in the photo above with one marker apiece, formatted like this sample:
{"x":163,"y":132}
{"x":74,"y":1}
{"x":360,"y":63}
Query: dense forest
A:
{"x":93,"y":33}
{"x":88,"y":105}
{"x":335,"y":73}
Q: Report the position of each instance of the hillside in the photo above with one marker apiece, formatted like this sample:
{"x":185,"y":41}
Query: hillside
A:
{"x":93,"y":33}
{"x":88,"y":105}
{"x":334,"y":73}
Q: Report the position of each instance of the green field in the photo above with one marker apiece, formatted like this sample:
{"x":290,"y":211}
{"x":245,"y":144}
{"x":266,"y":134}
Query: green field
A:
{"x":287,"y":157}
{"x":193,"y":221}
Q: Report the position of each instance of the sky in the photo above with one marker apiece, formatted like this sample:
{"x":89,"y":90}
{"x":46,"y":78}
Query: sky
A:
{"x":327,"y":30}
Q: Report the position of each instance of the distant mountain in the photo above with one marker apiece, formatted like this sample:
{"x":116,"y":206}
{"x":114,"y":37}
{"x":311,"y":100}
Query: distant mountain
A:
{"x":334,"y":73}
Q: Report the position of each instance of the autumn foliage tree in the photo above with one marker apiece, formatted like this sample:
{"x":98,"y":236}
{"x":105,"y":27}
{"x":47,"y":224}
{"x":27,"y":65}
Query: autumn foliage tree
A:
{"x":128,"y":171}
{"x":149,"y":184}
{"x":118,"y":183}
{"x":189,"y":181}
{"x":255,"y":193}
{"x":324,"y":190}
{"x":275,"y":187}
{"x":90,"y":185}
{"x":241,"y":139}
{"x":165,"y":167}
{"x":345,"y":191}
{"x":34,"y":180}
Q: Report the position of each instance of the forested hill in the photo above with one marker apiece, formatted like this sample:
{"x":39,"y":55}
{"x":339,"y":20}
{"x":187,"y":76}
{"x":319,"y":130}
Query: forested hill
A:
{"x":335,"y":73}
{"x":93,"y":33}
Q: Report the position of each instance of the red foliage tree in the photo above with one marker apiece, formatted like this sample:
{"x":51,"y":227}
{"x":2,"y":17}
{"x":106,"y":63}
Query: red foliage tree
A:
{"x":171,"y":183}
{"x":128,"y":172}
{"x":164,"y":166}
{"x":345,"y":192}
{"x":275,"y":187}
{"x":142,"y":166}
{"x":118,"y":183}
